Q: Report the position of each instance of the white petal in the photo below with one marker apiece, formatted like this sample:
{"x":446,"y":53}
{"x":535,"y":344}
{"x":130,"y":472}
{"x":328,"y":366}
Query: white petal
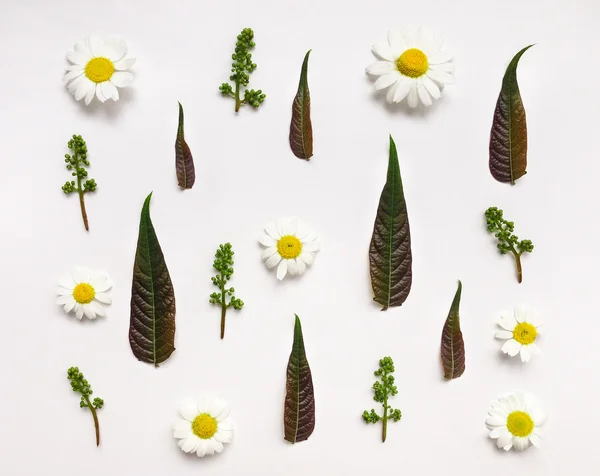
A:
{"x":182,"y":429}
{"x":100,"y":282}
{"x":440,"y":57}
{"x":280,"y":225}
{"x":523,"y":314}
{"x":271,"y":230}
{"x":431,"y":87}
{"x":74,"y":73}
{"x":311,"y":246}
{"x":384,"y":51}
{"x":511,"y":347}
{"x":413,"y":97}
{"x":89,"y":95}
{"x":389,"y":97}
{"x":188,"y":410}
{"x":495,"y":420}
{"x":440,"y":76}
{"x":381,"y":67}
{"x":507,"y":321}
{"x":224,"y":436}
{"x":503,"y":335}
{"x":525,"y":353}
{"x":201,"y":448}
{"x":124,"y":64}
{"x":190,"y":444}
{"x":98,"y":308}
{"x":67,"y":282}
{"x":108,"y":89}
{"x":81,"y":48}
{"x":307,"y":257}
{"x":94,"y":45}
{"x":216,"y":445}
{"x":423,"y":41}
{"x":78,"y":311}
{"x":423,"y":94}
{"x":273,"y":261}
{"x":216,"y":406}
{"x":301,"y":266}
{"x":290,"y":227}
{"x":292,"y":267}
{"x":78,"y":58}
{"x":82,"y":88}
{"x":101,"y":97}
{"x":60,"y":300}
{"x":210,"y":449}
{"x":268,"y":252}
{"x":266,"y":240}
{"x":88,"y":311}
{"x":104,"y":298}
{"x":282,"y":269}
{"x":535,"y":440}
{"x":498,"y":431}
{"x":521,"y":444}
{"x":402,"y":90}
{"x":118,"y":48}
{"x":225,"y":422}
{"x":534,"y":349}
{"x":397,"y":42}
{"x":69,"y":306}
{"x":505,"y":441}
{"x":121,"y":79}
{"x":387,"y":80}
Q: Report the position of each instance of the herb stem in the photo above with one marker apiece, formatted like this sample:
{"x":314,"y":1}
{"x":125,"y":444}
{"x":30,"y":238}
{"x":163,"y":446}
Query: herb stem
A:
{"x":519,"y":267}
{"x":95,"y":416}
{"x":238,"y":103}
{"x":223,"y":305}
{"x":82,"y":205}
{"x":385,"y":420}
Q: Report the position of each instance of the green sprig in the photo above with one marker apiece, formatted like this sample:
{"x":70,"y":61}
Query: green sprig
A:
{"x":383,"y":390}
{"x":241,"y":68}
{"x":224,"y":265}
{"x":76,"y":161}
{"x":507,"y":242}
{"x":80,"y":385}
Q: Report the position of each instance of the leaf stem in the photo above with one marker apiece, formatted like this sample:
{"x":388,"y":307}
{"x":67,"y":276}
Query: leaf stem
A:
{"x":96,"y":424}
{"x":519,"y":267}
{"x":384,"y":421}
{"x":82,"y":205}
{"x":223,"y":305}
{"x":238,"y":102}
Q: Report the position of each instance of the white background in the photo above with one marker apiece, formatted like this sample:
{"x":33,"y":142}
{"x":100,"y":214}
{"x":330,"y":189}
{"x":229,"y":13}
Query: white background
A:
{"x":247,"y":176}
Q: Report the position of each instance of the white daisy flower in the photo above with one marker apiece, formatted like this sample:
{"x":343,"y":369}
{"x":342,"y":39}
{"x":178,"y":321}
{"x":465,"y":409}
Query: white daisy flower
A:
{"x":413,"y":66}
{"x":521,"y":330}
{"x":206,"y":426}
{"x":98,"y":67}
{"x":514,"y":420}
{"x":84,"y":292}
{"x":290,"y":246}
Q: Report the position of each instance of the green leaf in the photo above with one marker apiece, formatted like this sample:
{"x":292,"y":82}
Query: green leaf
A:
{"x":299,"y":412}
{"x":508,"y":139}
{"x":390,"y":254}
{"x":184,"y":162}
{"x":301,"y":136}
{"x":152,"y":322}
{"x":453,"y":346}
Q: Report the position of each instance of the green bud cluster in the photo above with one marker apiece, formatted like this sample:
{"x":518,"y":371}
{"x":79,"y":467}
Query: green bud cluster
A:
{"x":503,"y":230}
{"x":383,"y":389}
{"x":80,"y":385}
{"x":75,"y":164}
{"x":241,"y":68}
{"x":224,"y":265}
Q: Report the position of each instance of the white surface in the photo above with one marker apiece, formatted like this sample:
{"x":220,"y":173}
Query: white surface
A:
{"x":247,"y":176}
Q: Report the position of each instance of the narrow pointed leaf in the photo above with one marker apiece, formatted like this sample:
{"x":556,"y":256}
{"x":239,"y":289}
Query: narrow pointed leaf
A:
{"x":299,"y":411}
{"x":508,"y":139}
{"x":301,"y":136}
{"x":453,"y":346}
{"x":390,"y":254}
{"x":152,"y":321}
{"x":184,"y":162}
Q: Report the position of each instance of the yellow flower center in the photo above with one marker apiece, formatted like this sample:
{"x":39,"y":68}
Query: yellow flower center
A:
{"x":83,"y":293}
{"x":289,"y":247}
{"x":204,"y":426}
{"x":99,"y":69}
{"x":412,"y":63}
{"x":525,"y":333}
{"x":519,"y":424}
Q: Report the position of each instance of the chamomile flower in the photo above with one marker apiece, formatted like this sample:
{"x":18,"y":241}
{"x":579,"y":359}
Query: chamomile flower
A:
{"x":290,"y":246}
{"x":206,"y":426}
{"x":514,"y":420}
{"x":98,"y":68}
{"x":412,"y":65}
{"x":85,"y":293}
{"x":521,"y":330}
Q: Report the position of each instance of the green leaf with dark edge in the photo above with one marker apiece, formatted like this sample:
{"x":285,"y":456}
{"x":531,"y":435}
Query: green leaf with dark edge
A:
{"x":390,"y":255}
{"x":184,"y":162}
{"x":301,"y":136}
{"x":453,"y":346}
{"x":508,"y":139}
{"x":299,"y":412}
{"x":152,"y":322}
